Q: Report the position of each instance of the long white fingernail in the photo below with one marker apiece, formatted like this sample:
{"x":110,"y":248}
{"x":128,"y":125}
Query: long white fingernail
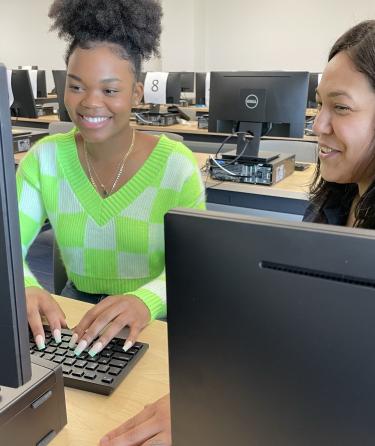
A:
{"x":73,"y":340}
{"x":39,"y":341}
{"x":127,"y":345}
{"x":96,"y":348}
{"x":57,"y":335}
{"x":80,"y":347}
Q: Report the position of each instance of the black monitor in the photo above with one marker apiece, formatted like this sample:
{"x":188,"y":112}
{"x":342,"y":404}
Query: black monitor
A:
{"x":24,"y":102}
{"x":271,"y":331}
{"x":187,"y":82}
{"x":313,"y":85}
{"x":41,"y":85}
{"x":258,"y":103}
{"x":200,"y":88}
{"x":59,"y":77}
{"x":15,"y":351}
{"x":173,"y":88}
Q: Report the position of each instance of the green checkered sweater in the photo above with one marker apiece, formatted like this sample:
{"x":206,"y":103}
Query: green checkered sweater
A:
{"x":113,"y":245}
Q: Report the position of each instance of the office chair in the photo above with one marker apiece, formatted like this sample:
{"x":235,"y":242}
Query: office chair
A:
{"x":59,"y":273}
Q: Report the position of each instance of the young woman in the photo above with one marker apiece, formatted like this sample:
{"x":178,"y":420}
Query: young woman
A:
{"x":104,"y":187}
{"x":343,"y":192}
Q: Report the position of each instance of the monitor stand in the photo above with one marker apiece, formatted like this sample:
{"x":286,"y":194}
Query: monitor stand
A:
{"x":35,"y":412}
{"x":248,"y":148}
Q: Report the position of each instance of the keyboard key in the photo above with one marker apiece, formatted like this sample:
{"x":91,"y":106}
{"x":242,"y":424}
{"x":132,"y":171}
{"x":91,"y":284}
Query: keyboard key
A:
{"x":66,"y":370}
{"x":103,"y":369}
{"x":122,"y":357}
{"x":114,"y":371}
{"x":107,"y":379}
{"x":103,"y":360}
{"x":69,"y":361}
{"x":117,"y":363}
{"x":106,"y":353}
{"x":48,"y":356}
{"x":90,"y":375}
{"x":70,"y":354}
{"x":58,"y":359}
{"x":77,"y":372}
{"x":64,"y":345}
{"x":92,"y":366}
{"x":81,"y":364}
{"x":60,"y":352}
{"x":50,"y":350}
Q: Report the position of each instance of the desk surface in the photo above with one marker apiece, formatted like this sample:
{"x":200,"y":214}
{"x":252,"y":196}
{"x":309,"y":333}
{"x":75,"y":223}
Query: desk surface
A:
{"x":90,"y":415}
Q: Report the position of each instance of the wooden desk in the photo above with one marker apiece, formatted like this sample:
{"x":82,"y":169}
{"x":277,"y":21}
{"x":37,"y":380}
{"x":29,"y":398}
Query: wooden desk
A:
{"x":42,"y":122}
{"x":90,"y":415}
{"x":288,"y":196}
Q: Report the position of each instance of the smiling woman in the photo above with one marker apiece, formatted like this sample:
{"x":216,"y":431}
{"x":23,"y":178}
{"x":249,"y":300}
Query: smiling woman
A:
{"x":103,"y":186}
{"x":344,"y":187}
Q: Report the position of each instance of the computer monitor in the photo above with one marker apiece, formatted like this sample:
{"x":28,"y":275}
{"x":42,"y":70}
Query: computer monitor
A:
{"x":59,"y":77}
{"x":15,"y":351}
{"x":314,"y":79}
{"x":24,"y":102}
{"x":258,"y":103}
{"x":41,"y":85}
{"x":187,"y":82}
{"x":173,"y":88}
{"x":200,"y":88}
{"x":271,"y":331}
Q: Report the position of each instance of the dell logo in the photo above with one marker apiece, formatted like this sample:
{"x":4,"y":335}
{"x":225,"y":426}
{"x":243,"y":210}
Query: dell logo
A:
{"x":251,"y":101}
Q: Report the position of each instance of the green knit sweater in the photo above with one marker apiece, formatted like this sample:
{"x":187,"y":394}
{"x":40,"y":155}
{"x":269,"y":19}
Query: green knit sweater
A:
{"x":113,"y":245}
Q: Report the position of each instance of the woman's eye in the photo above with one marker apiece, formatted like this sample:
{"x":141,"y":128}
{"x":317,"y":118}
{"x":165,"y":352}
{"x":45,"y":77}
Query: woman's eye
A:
{"x":110,"y":92}
{"x":342,"y":108}
{"x":74,"y":87}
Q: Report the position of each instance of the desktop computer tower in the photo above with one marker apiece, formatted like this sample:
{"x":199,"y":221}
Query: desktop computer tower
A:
{"x":34,"y":413}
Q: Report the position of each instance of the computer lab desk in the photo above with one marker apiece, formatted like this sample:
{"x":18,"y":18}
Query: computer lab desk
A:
{"x":289,"y":196}
{"x":90,"y":415}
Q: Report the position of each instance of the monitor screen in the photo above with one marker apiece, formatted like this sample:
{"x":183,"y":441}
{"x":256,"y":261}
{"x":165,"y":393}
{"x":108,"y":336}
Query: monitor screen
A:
{"x":200,"y":88}
{"x":162,"y":87}
{"x":15,"y":351}
{"x":259,"y":103}
{"x":59,"y":77}
{"x":314,"y":79}
{"x":187,"y":82}
{"x":24,"y":102}
{"x":41,"y":85}
{"x":271,"y":331}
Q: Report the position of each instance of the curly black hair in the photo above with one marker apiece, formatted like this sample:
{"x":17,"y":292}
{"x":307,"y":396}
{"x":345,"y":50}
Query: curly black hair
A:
{"x":133,"y":26}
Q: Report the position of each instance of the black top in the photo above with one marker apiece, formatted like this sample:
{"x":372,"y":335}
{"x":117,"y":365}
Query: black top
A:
{"x":328,"y":214}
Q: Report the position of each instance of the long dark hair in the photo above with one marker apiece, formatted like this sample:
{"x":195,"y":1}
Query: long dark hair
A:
{"x":359,"y":44}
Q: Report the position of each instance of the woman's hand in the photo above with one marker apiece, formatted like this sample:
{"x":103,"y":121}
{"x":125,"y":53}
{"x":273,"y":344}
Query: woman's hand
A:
{"x":150,"y":427}
{"x":111,"y":315}
{"x":40,"y":303}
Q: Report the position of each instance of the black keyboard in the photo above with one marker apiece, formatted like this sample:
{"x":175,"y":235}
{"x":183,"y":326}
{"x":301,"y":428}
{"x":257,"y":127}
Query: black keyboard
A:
{"x":100,"y":374}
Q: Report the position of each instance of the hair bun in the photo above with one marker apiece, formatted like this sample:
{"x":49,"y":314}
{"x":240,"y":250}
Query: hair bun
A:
{"x":133,"y":24}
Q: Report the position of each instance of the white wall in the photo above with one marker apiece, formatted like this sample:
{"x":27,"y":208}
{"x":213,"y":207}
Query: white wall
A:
{"x":203,"y":35}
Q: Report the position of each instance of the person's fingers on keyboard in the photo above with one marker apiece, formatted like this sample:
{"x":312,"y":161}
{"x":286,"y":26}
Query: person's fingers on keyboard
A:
{"x":35,"y":322}
{"x":55,"y":318}
{"x":39,"y":302}
{"x":129,"y":311}
{"x":118,"y":312}
{"x":91,"y":324}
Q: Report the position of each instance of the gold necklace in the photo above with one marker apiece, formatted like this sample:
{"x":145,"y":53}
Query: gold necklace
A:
{"x":91,"y":170}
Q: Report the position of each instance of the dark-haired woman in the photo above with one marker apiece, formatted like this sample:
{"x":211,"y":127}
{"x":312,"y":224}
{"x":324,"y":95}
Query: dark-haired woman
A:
{"x":343,"y":192}
{"x":103,"y":186}
{"x":344,"y":188}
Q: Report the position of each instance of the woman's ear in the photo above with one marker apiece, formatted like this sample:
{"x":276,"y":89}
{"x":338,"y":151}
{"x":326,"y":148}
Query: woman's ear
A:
{"x":137,"y":93}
